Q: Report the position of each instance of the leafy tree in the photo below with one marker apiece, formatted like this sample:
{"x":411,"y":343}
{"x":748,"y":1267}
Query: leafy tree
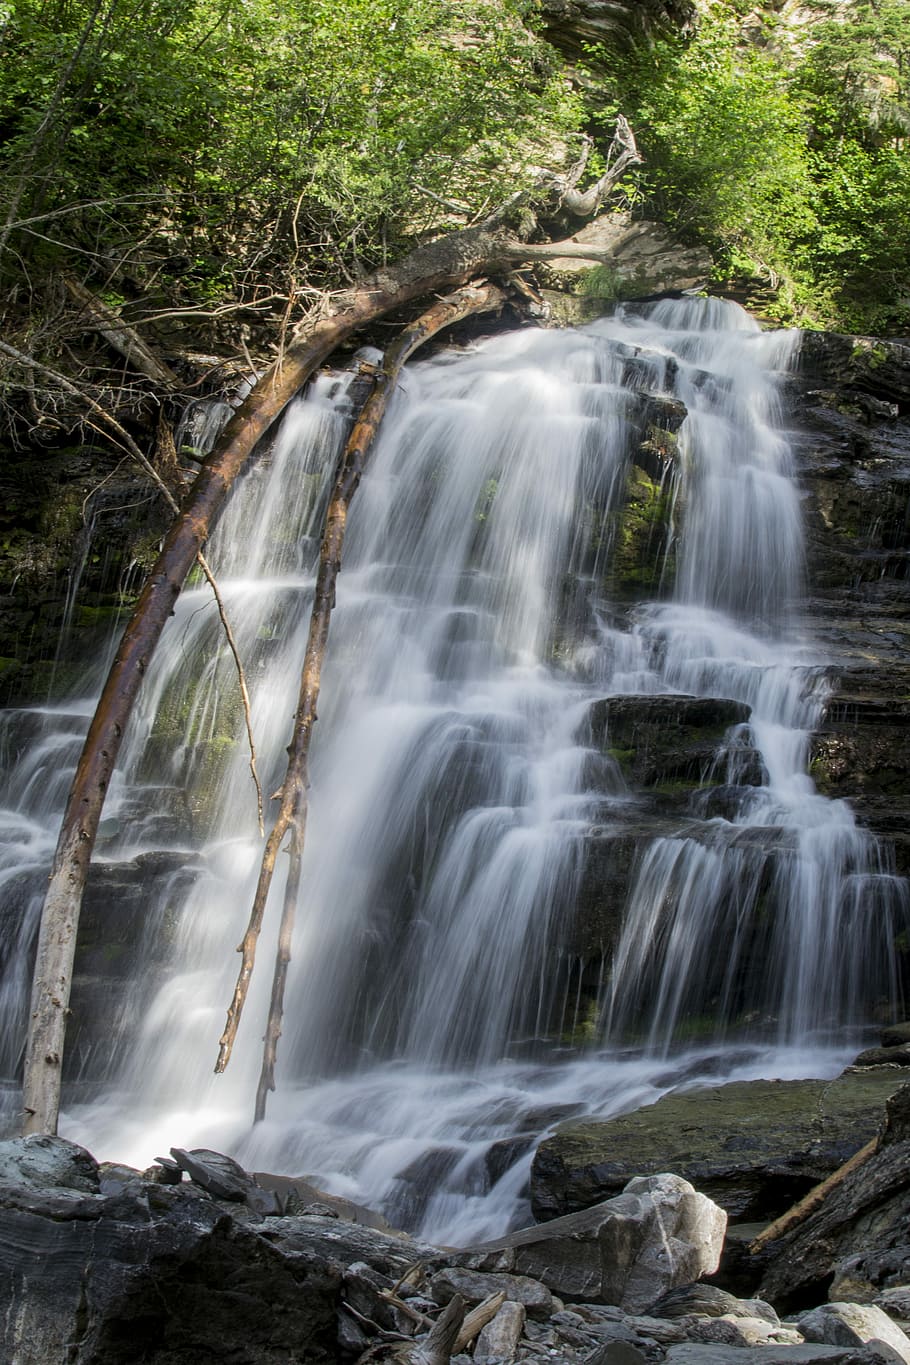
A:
{"x":233,"y":128}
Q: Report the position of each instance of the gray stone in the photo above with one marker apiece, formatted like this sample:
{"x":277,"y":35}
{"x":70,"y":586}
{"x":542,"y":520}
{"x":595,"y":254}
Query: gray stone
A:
{"x":219,"y":1174}
{"x":709,"y":1300}
{"x":739,"y":1331}
{"x":853,"y":1324}
{"x":44,"y":1162}
{"x":498,"y":1341}
{"x":658,"y":1233}
{"x":474,"y":1287}
{"x":895,"y":1300}
{"x":615,"y":1353}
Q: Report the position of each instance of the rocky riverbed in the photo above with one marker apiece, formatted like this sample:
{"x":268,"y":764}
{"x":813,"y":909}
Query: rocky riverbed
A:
{"x":195,"y":1259}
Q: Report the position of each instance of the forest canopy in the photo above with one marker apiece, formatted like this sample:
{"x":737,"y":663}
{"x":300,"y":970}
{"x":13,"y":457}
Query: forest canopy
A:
{"x":240,"y":154}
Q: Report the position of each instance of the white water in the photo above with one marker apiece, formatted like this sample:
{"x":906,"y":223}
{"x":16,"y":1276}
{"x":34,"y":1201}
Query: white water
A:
{"x":436,"y":1004}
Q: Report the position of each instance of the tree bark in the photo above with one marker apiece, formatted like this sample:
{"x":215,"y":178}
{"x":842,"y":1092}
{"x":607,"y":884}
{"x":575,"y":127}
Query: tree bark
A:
{"x":438,"y":265}
{"x":292,"y":811}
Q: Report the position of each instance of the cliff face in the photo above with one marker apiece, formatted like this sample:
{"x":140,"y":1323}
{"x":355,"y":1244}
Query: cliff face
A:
{"x":570,"y":24}
{"x":853,"y":408}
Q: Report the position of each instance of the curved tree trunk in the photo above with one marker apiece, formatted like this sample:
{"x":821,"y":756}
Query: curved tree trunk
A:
{"x":451,"y":260}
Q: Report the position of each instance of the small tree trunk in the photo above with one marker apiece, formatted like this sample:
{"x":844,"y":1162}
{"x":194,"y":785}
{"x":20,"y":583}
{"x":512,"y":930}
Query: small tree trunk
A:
{"x":292,"y":811}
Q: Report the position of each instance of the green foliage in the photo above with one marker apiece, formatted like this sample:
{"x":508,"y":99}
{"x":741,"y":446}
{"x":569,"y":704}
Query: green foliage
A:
{"x":333,"y":130}
{"x":785,"y":149}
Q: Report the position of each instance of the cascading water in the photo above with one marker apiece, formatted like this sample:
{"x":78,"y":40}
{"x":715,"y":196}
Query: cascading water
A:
{"x":438,"y":1000}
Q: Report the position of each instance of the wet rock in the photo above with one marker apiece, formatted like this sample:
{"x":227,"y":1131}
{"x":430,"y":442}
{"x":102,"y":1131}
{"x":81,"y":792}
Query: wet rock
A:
{"x":869,"y":364}
{"x":884,"y":1056}
{"x":659,"y":739}
{"x":896,"y":1035}
{"x":219,"y":1174}
{"x":853,"y":1324}
{"x":501,"y":1156}
{"x":474,"y":1287}
{"x":626,"y":1251}
{"x":754,"y":1147}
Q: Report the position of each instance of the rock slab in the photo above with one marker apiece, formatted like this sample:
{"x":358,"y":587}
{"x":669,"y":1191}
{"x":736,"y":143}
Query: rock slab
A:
{"x":626,"y":1251}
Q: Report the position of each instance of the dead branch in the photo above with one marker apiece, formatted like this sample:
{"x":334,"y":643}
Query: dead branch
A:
{"x":439,"y":1346}
{"x":292,"y":811}
{"x":124,"y":339}
{"x":623,"y":154}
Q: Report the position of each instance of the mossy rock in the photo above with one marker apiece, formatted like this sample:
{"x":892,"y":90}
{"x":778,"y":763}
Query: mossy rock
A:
{"x":664,"y":741}
{"x":754,"y":1147}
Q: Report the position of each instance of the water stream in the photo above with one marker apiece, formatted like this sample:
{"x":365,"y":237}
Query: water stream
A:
{"x":440,"y":1011}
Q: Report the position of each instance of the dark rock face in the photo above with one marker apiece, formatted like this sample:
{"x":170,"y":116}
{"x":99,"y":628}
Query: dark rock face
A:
{"x":754,"y":1147}
{"x":105,"y":1265}
{"x":664,"y":739}
{"x":857,"y":1243}
{"x":853,"y":456}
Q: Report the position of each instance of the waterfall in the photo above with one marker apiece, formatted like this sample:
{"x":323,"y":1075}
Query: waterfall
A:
{"x":448,"y":999}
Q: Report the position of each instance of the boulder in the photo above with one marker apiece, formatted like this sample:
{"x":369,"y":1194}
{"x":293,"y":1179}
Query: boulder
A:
{"x":754,"y":1147}
{"x":853,"y":1324}
{"x":159,"y":1275}
{"x":474,"y":1287}
{"x":498,"y":1342}
{"x":884,"y":1056}
{"x":627,"y":1251}
{"x":646,"y":259}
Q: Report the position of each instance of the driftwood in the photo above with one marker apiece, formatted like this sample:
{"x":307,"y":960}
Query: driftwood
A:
{"x":623,"y":153}
{"x":290,"y":819}
{"x":439,"y":1346}
{"x":447,"y":262}
{"x":477,"y":1320}
{"x":813,"y":1200}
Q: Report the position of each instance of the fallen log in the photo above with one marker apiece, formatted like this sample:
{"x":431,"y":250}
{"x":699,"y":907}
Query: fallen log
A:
{"x":811,"y":1201}
{"x":438,"y":265}
{"x":290,"y":819}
